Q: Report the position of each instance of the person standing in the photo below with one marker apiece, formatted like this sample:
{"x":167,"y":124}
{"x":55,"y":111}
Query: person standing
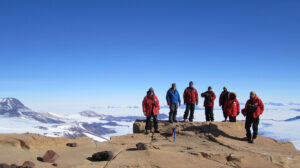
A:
{"x":190,"y":97}
{"x":253,"y":109}
{"x":209,"y":98}
{"x":232,"y":107}
{"x":222,"y":101}
{"x":173,"y":99}
{"x":151,"y":109}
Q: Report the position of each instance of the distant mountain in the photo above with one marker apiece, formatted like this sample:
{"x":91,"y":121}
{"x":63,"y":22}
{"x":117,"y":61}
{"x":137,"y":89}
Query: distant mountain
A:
{"x":12,"y":107}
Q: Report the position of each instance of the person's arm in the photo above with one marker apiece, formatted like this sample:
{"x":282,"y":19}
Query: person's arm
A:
{"x":238,"y":107}
{"x":179,"y":98}
{"x":184,"y":96}
{"x":168,"y":98}
{"x":260,"y":107}
{"x":213,"y":97}
{"x":221,"y":99}
{"x":157,"y":103}
{"x":197,"y":97}
{"x":144,"y":106}
{"x":203,"y":94}
{"x":244,"y":111}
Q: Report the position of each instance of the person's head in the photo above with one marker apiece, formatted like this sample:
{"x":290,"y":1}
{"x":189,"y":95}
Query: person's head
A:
{"x":150,"y":91}
{"x":252,"y":95}
{"x":191,"y":84}
{"x":209,"y":88}
{"x":225,"y":89}
{"x":174,"y":86}
{"x":232,"y":96}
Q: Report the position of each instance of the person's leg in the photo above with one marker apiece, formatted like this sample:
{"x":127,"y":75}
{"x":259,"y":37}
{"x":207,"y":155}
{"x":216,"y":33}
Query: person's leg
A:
{"x":255,"y":127}
{"x":186,"y":113}
{"x":230,"y":119}
{"x":224,"y":113}
{"x":207,"y":113}
{"x":234,"y":119}
{"x":211,"y":110}
{"x":247,"y":127}
{"x":155,"y":124}
{"x":171,"y":113}
{"x":147,"y":127}
{"x":175,"y":112}
{"x":192,"y":108}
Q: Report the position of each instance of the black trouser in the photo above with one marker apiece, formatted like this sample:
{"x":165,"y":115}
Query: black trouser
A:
{"x":173,"y":112}
{"x":250,"y":121}
{"x":148,"y":122}
{"x":189,"y":108}
{"x":224,"y":112}
{"x":209,"y":113}
{"x":232,"y":119}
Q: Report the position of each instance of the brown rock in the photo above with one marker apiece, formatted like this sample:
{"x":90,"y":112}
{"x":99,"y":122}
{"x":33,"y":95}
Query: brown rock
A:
{"x":141,"y":146}
{"x":72,"y":144}
{"x":50,"y":156}
{"x":3,"y":165}
{"x":28,"y":164}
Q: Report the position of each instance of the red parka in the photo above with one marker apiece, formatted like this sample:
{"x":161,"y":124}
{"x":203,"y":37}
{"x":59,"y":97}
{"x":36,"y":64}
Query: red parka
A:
{"x":150,"y":103}
{"x":207,"y":102}
{"x":254,"y":102}
{"x":232,"y":107}
{"x":190,"y":96}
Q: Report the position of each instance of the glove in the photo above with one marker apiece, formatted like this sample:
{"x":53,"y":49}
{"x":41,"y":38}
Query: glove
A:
{"x":197,"y":103}
{"x":169,"y":103}
{"x":238,"y":113}
{"x":144,"y":113}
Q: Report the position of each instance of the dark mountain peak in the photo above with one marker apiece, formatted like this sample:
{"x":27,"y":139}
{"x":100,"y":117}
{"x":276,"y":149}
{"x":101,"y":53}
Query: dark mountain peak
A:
{"x":11,"y":103}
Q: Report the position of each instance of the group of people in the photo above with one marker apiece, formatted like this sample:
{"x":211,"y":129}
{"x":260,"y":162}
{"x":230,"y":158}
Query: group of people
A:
{"x":227,"y":100}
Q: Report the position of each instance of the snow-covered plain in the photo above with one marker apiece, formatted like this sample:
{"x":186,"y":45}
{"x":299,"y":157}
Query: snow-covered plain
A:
{"x":279,"y":121}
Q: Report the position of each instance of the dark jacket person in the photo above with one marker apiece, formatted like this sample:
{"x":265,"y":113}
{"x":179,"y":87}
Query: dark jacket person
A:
{"x":253,"y":109}
{"x":222,"y":101}
{"x":209,"y":98}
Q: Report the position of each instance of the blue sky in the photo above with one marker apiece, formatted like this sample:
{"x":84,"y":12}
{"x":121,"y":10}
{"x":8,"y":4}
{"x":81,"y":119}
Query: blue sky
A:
{"x":70,"y":52}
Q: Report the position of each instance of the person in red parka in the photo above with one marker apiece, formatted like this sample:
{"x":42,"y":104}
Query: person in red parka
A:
{"x":253,"y":109}
{"x":151,"y":109}
{"x":209,"y":98}
{"x":190,"y":97}
{"x":232,"y":107}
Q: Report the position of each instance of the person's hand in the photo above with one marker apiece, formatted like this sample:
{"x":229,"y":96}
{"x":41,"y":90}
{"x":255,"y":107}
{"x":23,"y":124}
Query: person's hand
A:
{"x":158,"y":112}
{"x":144,"y":113}
{"x":169,"y":103}
{"x":197,"y":103}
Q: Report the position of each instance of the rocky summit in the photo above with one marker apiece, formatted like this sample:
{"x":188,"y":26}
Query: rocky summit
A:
{"x":197,"y":144}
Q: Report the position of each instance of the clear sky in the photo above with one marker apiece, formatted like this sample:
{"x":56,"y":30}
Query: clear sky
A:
{"x":69,"y":52}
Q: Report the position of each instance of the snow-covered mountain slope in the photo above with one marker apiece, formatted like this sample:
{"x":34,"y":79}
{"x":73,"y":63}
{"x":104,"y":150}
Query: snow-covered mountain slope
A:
{"x":11,"y":107}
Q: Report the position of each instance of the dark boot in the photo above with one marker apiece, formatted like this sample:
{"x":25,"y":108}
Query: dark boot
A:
{"x":146,"y":132}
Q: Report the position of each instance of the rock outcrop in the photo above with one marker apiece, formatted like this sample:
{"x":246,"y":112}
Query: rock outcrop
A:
{"x":197,"y":144}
